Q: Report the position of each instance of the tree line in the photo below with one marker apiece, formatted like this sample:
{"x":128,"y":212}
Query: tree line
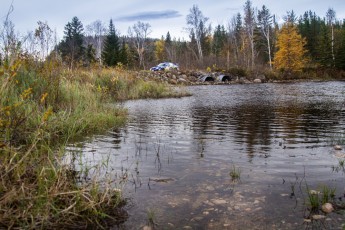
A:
{"x":251,"y":40}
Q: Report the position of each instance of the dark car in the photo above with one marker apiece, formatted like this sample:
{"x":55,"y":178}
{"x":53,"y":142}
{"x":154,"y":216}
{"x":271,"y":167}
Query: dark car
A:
{"x":165,"y":66}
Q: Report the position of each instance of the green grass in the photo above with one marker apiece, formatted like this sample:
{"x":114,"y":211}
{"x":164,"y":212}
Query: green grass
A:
{"x":235,"y":173}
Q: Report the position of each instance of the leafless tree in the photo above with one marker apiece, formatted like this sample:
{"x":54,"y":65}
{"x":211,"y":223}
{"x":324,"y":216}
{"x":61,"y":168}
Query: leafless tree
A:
{"x":249,"y":25}
{"x":96,"y":30}
{"x":139,"y":32}
{"x":196,"y":23}
{"x":45,"y":37}
{"x":9,"y":42}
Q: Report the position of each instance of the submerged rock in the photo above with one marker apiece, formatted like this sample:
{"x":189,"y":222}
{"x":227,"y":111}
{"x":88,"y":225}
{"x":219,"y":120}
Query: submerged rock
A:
{"x":218,"y":201}
{"x":327,"y":208}
{"x":318,"y":217}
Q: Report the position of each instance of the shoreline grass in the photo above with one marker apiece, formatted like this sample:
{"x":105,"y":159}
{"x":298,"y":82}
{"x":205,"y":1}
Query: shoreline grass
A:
{"x":41,"y":110}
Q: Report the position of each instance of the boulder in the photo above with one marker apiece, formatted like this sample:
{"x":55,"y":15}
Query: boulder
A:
{"x":337,"y":147}
{"x":257,"y":80}
{"x":327,"y":208}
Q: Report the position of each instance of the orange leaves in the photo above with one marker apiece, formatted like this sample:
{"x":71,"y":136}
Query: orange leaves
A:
{"x":290,"y":55}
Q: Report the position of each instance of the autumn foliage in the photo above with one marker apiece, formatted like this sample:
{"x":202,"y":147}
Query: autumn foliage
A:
{"x":291,"y":52}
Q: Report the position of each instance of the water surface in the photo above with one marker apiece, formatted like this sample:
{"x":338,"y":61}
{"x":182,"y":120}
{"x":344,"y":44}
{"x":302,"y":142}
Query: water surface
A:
{"x":176,"y":156}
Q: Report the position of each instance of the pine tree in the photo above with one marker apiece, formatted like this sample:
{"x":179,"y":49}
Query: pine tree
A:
{"x":111,"y":50}
{"x":324,"y":48}
{"x":290,"y":56}
{"x":124,"y":59}
{"x":219,"y":39}
{"x":90,"y":54}
{"x":71,"y":48}
{"x":340,"y":51}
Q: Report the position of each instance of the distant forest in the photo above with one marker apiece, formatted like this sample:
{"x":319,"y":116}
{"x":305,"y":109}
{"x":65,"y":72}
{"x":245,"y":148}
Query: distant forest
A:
{"x":251,"y":40}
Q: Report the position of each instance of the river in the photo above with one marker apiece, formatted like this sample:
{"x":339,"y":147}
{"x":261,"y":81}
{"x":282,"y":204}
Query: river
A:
{"x":178,"y":157}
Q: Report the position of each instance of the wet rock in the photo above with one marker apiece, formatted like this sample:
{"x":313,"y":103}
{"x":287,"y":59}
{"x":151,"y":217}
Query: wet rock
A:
{"x":207,"y":202}
{"x":340,"y":155}
{"x":327,"y":208}
{"x":307,"y":220}
{"x":206,"y":213}
{"x":182,"y":80}
{"x":314,"y":192}
{"x":218,"y":201}
{"x":210,"y":188}
{"x":161,"y":180}
{"x":256,"y":202}
{"x":318,"y":217}
{"x":337,"y":147}
{"x":257,"y":81}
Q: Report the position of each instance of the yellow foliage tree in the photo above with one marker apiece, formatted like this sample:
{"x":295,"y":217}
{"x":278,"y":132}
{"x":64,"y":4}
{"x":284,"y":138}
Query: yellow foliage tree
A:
{"x":160,"y":50}
{"x":291,"y":54}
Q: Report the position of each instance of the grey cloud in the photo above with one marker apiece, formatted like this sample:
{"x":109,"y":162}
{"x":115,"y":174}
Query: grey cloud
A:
{"x":150,"y":15}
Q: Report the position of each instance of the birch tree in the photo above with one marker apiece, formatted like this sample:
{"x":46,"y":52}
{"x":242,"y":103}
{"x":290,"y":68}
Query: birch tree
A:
{"x":264,"y":23}
{"x":249,"y":25}
{"x":97,"y":30}
{"x":196,"y":23}
{"x":330,"y":15}
{"x":140,"y":32}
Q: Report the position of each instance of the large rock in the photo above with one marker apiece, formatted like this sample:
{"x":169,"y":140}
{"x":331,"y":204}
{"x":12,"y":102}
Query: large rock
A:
{"x":257,"y":80}
{"x":327,"y":208}
{"x":337,"y":147}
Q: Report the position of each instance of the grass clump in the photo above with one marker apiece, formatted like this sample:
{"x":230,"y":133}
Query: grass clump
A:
{"x":235,"y":173}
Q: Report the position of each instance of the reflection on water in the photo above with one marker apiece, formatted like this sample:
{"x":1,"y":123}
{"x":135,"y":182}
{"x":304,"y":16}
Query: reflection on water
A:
{"x":177,"y":154}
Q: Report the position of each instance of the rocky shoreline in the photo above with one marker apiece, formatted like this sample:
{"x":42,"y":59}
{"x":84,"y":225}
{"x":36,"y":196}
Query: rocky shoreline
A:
{"x":210,"y":78}
{"x":197,"y":77}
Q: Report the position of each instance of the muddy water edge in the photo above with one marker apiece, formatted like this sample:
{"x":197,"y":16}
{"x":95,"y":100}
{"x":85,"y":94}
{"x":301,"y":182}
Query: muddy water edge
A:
{"x":175,"y":159}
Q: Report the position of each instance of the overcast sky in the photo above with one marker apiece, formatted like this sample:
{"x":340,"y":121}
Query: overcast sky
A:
{"x":162,"y":15}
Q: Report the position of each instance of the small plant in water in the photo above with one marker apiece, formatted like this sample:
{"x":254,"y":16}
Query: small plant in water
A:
{"x":235,"y":173}
{"x":328,"y":194}
{"x":151,"y":217}
{"x":314,"y":200}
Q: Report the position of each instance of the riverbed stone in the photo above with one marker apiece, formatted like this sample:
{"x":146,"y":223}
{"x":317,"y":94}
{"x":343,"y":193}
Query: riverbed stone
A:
{"x":337,"y":147}
{"x":257,"y":81}
{"x":327,"y":208}
{"x":318,"y":217}
{"x":218,"y":201}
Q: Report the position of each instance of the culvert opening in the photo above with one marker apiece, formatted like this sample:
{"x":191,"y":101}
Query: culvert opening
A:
{"x":225,"y":78}
{"x":208,"y":79}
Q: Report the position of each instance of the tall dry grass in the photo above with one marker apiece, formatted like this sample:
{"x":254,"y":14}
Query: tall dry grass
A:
{"x":43,"y":107}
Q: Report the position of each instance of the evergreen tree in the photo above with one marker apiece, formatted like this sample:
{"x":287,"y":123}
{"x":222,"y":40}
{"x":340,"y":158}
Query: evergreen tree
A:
{"x":111,"y":50}
{"x":324,"y":48}
{"x":71,"y":48}
{"x":90,"y":54}
{"x":310,"y":27}
{"x":168,"y":39}
{"x":124,"y":59}
{"x":219,"y":40}
{"x":340,"y":51}
{"x":290,"y":55}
